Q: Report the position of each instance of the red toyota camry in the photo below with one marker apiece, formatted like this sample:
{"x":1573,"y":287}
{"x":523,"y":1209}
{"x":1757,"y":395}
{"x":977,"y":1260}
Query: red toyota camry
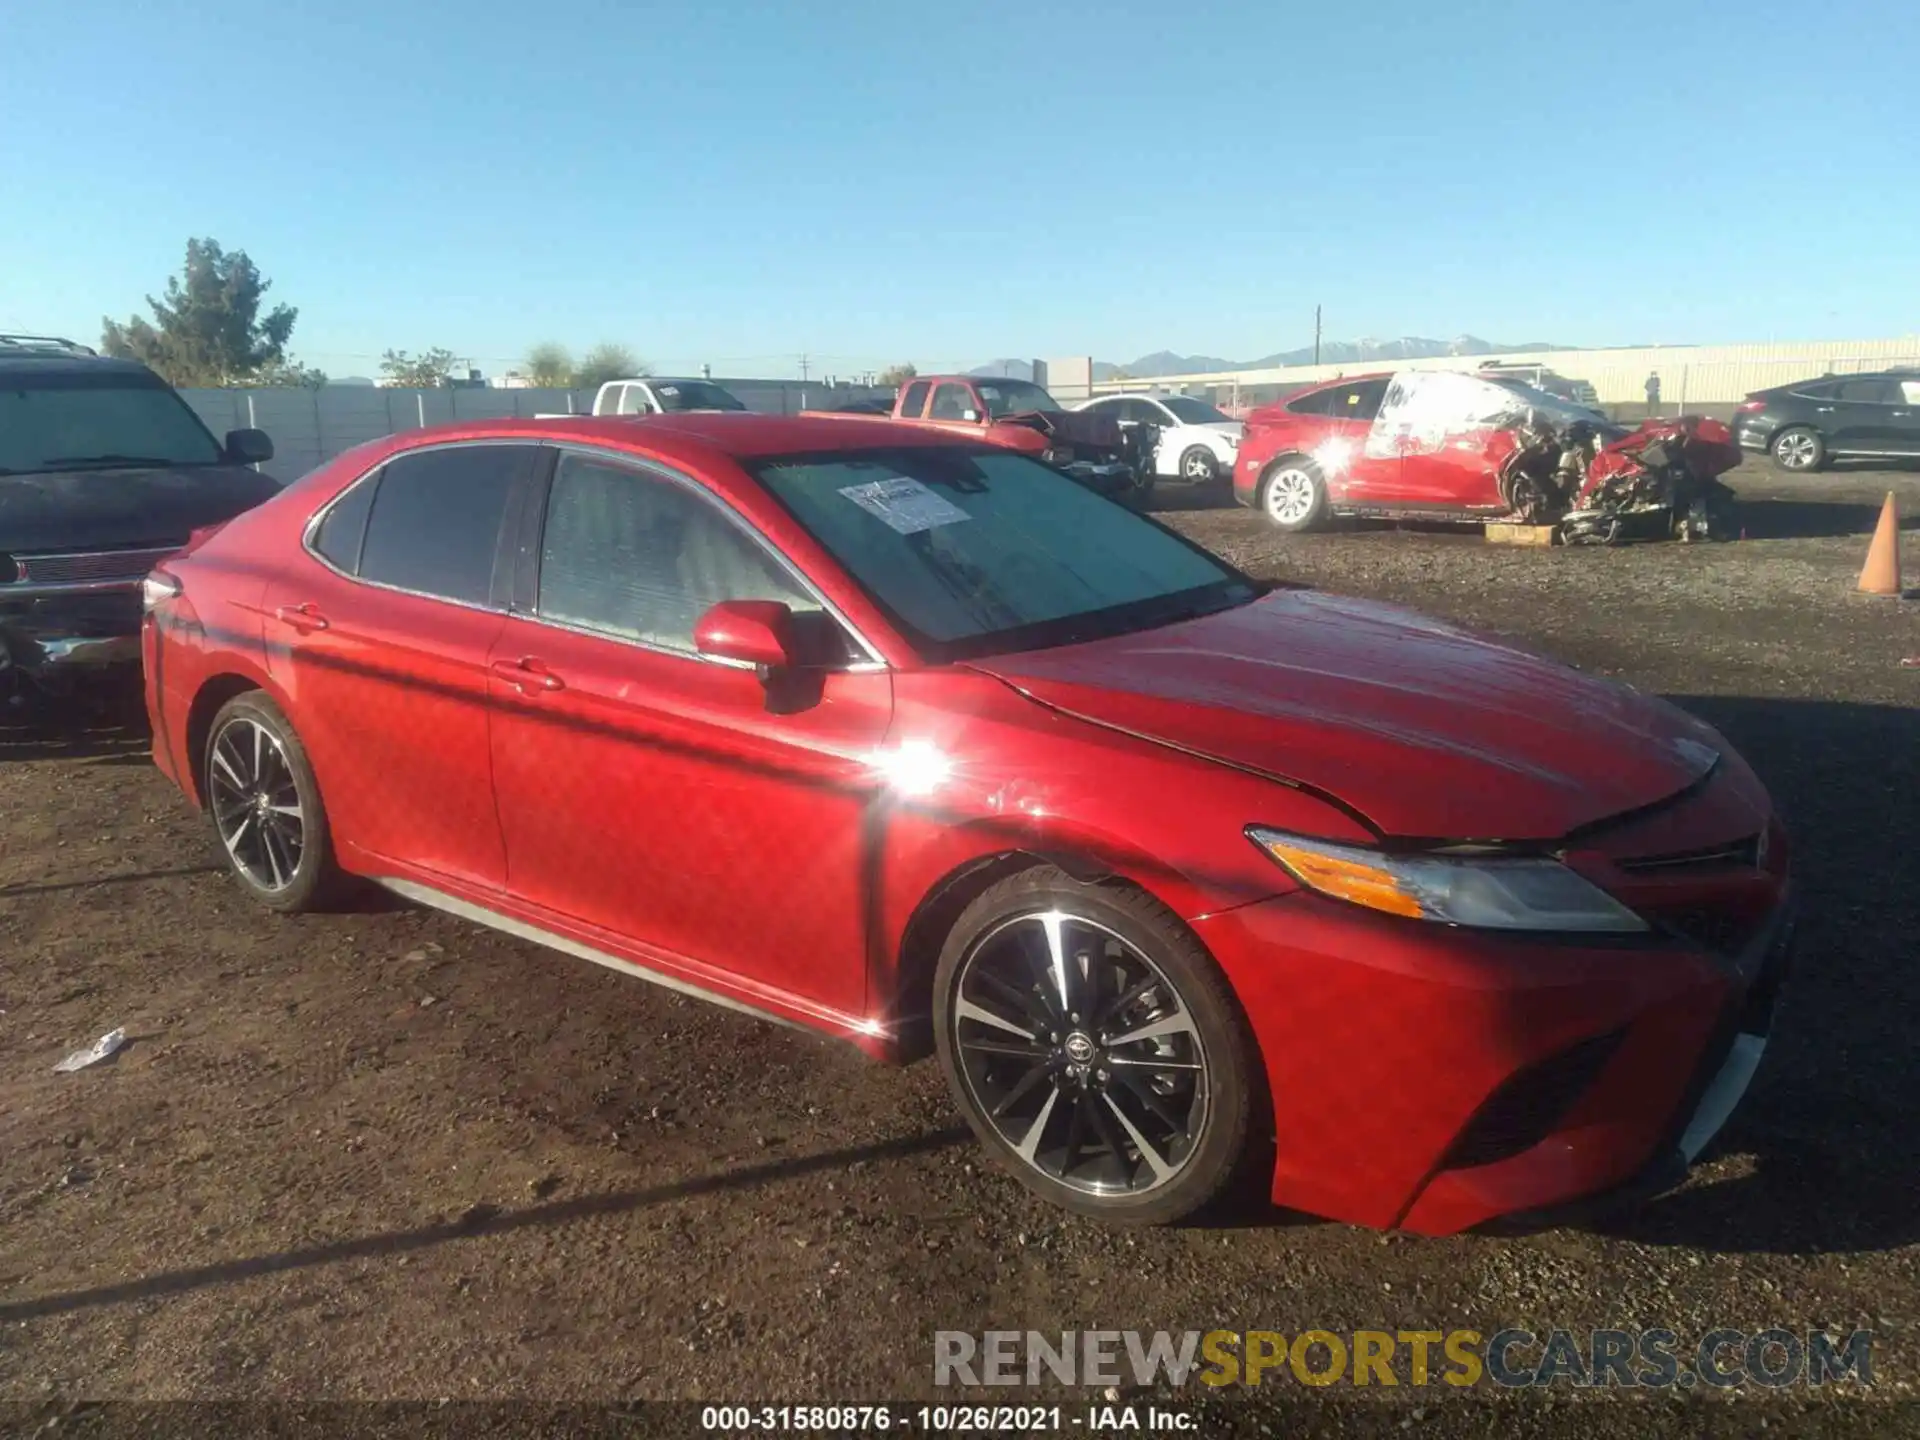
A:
{"x":921,"y":743}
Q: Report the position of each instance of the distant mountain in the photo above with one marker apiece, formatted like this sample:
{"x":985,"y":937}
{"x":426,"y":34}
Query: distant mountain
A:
{"x":1332,"y":352}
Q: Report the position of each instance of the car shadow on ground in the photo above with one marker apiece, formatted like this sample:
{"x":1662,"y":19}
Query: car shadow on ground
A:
{"x":107,"y":725}
{"x":476,"y":1220}
{"x":1835,"y":1164}
{"x":1762,"y":518}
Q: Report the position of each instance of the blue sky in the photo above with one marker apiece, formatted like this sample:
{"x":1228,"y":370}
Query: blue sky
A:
{"x":742,"y":182}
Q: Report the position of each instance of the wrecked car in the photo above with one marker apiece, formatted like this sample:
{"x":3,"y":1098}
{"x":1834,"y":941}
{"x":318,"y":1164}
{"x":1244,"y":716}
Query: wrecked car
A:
{"x":1443,"y":445}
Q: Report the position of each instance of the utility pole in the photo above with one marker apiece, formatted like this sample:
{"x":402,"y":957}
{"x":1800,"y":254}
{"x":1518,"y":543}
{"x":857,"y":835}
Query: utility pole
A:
{"x":803,"y":369}
{"x":1316,"y":334}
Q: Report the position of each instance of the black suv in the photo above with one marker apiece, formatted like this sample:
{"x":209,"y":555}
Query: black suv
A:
{"x":1805,"y":425}
{"x":103,"y":471}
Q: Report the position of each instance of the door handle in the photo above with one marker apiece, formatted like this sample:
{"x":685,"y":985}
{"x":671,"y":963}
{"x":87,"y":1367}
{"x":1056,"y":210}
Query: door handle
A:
{"x":1823,"y":409}
{"x":528,"y":675}
{"x":301,"y":617}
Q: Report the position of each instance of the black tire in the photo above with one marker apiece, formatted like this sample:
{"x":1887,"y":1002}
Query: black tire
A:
{"x":252,"y":751}
{"x":1211,"y":1063}
{"x":1799,"y":450}
{"x":1199,"y":466}
{"x":1290,"y":471}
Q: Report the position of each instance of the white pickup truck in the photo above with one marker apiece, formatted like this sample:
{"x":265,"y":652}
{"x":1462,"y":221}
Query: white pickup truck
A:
{"x":656,"y":396}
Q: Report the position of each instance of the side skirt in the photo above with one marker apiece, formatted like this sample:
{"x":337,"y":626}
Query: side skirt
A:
{"x":866,"y":1035}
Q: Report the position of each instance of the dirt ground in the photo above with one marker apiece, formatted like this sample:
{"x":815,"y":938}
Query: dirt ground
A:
{"x":386,"y":1155}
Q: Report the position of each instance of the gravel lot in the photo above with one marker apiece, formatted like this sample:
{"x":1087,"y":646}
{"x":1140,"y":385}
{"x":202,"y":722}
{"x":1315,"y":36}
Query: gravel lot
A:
{"x":385,"y":1155}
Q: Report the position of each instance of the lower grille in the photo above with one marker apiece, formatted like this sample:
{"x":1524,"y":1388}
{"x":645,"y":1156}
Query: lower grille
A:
{"x":1524,"y":1110}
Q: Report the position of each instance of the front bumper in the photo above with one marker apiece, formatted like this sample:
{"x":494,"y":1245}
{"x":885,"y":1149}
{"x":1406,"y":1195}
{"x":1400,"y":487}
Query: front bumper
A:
{"x":55,"y":640}
{"x":1435,"y":1080}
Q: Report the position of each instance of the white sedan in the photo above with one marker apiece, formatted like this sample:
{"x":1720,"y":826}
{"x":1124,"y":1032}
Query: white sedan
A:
{"x":1197,"y":443}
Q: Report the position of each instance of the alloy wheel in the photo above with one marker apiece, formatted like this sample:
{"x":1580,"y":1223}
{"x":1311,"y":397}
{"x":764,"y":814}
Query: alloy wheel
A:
{"x":256,"y":803}
{"x":1198,"y":466}
{"x":1795,"y":451}
{"x":1081,"y":1054}
{"x":1290,"y":495}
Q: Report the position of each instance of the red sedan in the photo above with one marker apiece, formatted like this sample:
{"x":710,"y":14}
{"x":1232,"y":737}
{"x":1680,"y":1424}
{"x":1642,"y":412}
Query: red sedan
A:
{"x":918,"y":742}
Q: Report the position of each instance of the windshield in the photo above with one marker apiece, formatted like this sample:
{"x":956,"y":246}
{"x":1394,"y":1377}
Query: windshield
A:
{"x":1014,"y":397}
{"x":74,"y":422}
{"x":1194,"y":412}
{"x":971,"y":553}
{"x":679,"y":395}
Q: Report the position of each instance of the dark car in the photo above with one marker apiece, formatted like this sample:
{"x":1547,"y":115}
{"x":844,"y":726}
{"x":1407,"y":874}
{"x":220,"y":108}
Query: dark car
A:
{"x":1806,"y":424}
{"x":104,"y":470}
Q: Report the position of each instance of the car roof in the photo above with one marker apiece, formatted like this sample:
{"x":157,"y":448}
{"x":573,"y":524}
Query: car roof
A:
{"x":55,"y":362}
{"x":726,"y":434}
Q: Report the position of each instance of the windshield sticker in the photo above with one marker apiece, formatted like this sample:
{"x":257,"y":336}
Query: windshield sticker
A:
{"x":667,"y":389}
{"x":906,"y":506}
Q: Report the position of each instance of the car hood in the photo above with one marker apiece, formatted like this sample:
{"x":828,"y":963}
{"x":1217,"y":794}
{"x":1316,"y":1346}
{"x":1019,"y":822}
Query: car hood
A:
{"x":122,"y":508}
{"x":1232,"y":429}
{"x":1425,"y":730}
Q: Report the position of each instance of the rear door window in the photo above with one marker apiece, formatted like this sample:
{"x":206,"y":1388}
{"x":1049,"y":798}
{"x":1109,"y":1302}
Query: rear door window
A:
{"x":435,"y":525}
{"x":1316,"y":402}
{"x":915,"y":404}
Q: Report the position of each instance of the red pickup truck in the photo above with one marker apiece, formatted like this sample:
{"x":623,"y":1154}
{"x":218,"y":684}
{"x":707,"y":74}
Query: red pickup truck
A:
{"x":1023,"y":416}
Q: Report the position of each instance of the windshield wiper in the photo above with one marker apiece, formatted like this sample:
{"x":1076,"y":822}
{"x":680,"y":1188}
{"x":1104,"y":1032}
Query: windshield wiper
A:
{"x":112,"y":459}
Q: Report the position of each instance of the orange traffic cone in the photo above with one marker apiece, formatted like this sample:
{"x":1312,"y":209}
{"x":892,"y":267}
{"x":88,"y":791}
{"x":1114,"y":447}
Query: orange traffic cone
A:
{"x":1881,"y":574}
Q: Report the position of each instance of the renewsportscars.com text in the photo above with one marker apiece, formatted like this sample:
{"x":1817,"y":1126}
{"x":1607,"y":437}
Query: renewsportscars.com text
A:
{"x":1654,"y":1359}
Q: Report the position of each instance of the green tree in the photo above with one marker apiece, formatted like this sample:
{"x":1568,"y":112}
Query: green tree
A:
{"x":897,"y":375}
{"x":608,"y":362}
{"x":550,"y":366}
{"x":428,"y":371}
{"x":208,"y":330}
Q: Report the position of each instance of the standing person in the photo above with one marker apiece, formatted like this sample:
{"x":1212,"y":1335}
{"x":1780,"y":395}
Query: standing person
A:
{"x":1653,"y":394}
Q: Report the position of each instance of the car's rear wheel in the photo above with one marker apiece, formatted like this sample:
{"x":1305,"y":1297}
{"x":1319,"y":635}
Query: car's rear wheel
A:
{"x":1799,"y":449}
{"x":266,"y":806}
{"x":1198,"y":465}
{"x":1292,"y":493}
{"x":1095,"y":1048}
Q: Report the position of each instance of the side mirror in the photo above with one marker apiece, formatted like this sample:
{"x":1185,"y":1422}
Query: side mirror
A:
{"x":972,"y":417}
{"x":248,"y":447}
{"x":751,"y":632}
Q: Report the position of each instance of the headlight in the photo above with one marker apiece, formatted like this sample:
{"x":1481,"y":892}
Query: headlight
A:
{"x":1488,"y":893}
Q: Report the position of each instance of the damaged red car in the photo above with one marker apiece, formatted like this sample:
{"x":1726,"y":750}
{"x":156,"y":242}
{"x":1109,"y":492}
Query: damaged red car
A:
{"x":916,"y":741}
{"x":1444,"y":445}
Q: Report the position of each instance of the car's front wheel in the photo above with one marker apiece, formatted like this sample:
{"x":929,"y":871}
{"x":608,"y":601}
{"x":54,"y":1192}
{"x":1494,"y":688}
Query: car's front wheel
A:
{"x":266,"y":806}
{"x":1292,"y":493}
{"x":1095,"y":1048}
{"x":1799,"y":449}
{"x":1199,"y":465}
